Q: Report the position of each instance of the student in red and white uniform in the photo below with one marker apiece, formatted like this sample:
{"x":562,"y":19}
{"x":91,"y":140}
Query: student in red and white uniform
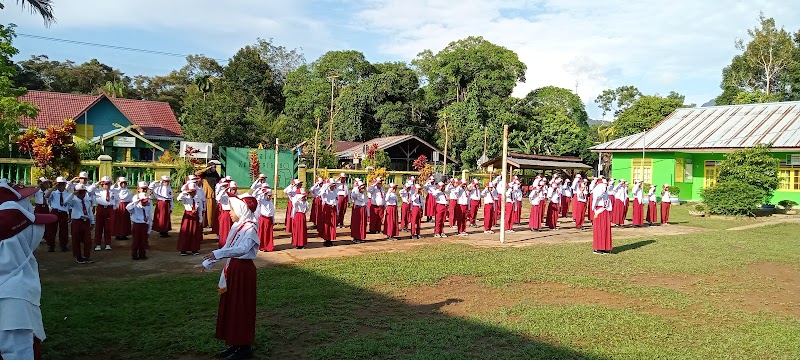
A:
{"x":490,"y":196}
{"x":377,"y":207}
{"x":554,"y":197}
{"x":666,"y":202}
{"x":474,"y":193}
{"x":236,"y":315}
{"x":582,"y":196}
{"x":140,"y":209}
{"x":162,"y":192}
{"x":462,"y":213}
{"x":405,"y":209}
{"x":192,"y":223}
{"x":590,"y":213}
{"x":638,"y":204}
{"x":82,"y":220}
{"x":258,"y":182}
{"x":417,"y":205}
{"x":611,"y":191}
{"x":290,"y":191}
{"x":538,"y":198}
{"x":122,"y":218}
{"x":441,"y":200}
{"x":298,"y":216}
{"x":430,"y":202}
{"x":266,"y":218}
{"x":316,"y":202}
{"x":620,"y":198}
{"x":343,"y":194}
{"x":228,"y":191}
{"x":390,"y":219}
{"x":222,"y":183}
{"x":652,"y":213}
{"x":601,"y":227}
{"x":327,"y":220}
{"x":511,"y":207}
{"x":576,"y":182}
{"x":566,"y":197}
{"x":452,"y":199}
{"x":83,"y":179}
{"x":358,"y":217}
{"x":41,"y":205}
{"x":107,"y":200}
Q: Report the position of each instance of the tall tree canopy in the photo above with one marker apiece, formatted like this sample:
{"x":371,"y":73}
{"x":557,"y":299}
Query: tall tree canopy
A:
{"x":11,"y":109}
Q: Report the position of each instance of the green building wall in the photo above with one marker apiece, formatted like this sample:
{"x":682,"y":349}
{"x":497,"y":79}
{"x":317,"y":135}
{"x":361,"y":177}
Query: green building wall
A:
{"x":664,"y":171}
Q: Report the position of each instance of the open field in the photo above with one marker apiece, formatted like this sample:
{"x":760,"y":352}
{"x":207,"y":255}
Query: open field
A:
{"x":689,"y":290}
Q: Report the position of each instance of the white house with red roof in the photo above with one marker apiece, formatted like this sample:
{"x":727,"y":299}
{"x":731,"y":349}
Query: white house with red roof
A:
{"x":128,"y":129}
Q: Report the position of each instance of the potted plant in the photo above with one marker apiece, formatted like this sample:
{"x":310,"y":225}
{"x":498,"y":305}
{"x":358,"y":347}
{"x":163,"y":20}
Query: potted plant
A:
{"x":674,"y":192}
{"x":699,"y":210}
{"x":788,"y":206}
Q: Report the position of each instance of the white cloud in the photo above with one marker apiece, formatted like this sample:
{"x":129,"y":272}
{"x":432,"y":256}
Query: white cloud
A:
{"x":655,"y":45}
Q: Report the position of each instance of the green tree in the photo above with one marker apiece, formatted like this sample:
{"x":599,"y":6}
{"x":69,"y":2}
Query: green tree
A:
{"x":281,"y":60}
{"x":617,"y":100}
{"x":645,"y":113}
{"x":219,"y":118}
{"x":11,"y":108}
{"x":249,"y":73}
{"x":113,"y":89}
{"x":755,"y":166}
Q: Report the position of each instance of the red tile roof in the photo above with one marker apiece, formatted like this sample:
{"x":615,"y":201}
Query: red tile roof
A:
{"x":154,"y":118}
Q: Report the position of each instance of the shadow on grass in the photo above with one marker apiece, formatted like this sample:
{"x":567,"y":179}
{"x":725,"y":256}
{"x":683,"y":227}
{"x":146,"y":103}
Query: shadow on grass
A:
{"x":631,"y":246}
{"x":302,"y":313}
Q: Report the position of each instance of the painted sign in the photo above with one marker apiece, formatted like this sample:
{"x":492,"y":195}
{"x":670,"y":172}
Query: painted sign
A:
{"x":205,"y":149}
{"x":125,"y":141}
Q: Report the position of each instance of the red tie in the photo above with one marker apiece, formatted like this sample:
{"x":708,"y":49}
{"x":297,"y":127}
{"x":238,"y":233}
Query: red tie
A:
{"x":61,"y":195}
{"x":83,"y":203}
{"x":108,"y":195}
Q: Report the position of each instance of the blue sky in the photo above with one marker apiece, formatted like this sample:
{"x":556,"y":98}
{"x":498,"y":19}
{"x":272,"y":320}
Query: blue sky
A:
{"x":657,"y":46}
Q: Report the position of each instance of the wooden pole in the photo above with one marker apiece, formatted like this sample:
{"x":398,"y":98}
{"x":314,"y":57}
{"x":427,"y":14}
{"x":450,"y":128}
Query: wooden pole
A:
{"x":485,"y":132}
{"x":275,"y":179}
{"x":505,"y":186}
{"x":316,"y":146}
{"x":446,"y":138}
{"x":330,"y":126}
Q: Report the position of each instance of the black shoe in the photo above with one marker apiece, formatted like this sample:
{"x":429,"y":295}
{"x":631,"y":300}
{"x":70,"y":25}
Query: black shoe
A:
{"x":87,"y":260}
{"x":51,"y":249}
{"x":184,"y":253}
{"x":327,"y":243}
{"x":244,"y":352}
{"x":164,"y":235}
{"x":80,"y":260}
{"x":135,"y":257}
{"x":227,"y":352}
{"x":64,"y":249}
{"x":195,"y":253}
{"x":142,"y":257}
{"x":299,"y":247}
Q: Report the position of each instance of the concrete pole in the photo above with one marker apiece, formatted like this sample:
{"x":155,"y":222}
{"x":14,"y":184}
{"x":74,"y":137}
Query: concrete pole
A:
{"x":505,"y":186}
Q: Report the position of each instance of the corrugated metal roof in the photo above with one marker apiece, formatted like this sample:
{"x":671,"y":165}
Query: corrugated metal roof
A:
{"x":383,"y":144}
{"x":547,"y":162}
{"x":718,"y":127}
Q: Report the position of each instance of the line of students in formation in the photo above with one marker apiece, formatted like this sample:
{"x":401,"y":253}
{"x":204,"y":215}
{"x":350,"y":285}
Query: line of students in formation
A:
{"x":111,"y":209}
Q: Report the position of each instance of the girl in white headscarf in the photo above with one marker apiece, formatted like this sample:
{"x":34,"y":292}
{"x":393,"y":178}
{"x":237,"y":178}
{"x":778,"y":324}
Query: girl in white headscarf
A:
{"x":601,"y":226}
{"x":236,"y":317}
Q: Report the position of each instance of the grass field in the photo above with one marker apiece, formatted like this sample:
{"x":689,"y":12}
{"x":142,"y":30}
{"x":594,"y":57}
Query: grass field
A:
{"x":714,"y":294}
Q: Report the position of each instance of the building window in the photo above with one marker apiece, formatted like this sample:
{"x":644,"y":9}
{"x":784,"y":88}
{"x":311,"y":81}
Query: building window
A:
{"x":642,"y":169}
{"x":679,"y":168}
{"x":84,"y":132}
{"x":710,"y":173}
{"x":789,"y":179}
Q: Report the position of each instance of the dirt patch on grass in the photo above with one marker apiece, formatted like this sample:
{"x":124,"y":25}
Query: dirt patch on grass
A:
{"x":758,"y":287}
{"x":466,"y":296}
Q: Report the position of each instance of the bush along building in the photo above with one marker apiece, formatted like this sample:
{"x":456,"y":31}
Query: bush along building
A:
{"x":127,"y":129}
{"x":685,"y":148}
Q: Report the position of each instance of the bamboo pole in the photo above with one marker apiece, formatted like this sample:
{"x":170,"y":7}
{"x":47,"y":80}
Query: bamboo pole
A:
{"x":446,"y":138}
{"x":505,"y":186}
{"x":275,"y":179}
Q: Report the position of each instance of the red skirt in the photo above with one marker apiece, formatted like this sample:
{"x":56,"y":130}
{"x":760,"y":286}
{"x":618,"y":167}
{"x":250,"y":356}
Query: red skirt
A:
{"x":289,"y":219}
{"x":488,"y":216}
{"x":601,"y":232}
{"x":358,"y":223}
{"x":535,"y":219}
{"x":430,"y":205}
{"x":451,"y":212}
{"x":390,"y":222}
{"x":652,"y":214}
{"x":265,"y":233}
{"x":327,"y":223}
{"x":122,"y":221}
{"x":665,"y":212}
{"x":509,"y":216}
{"x":215,"y":222}
{"x":618,"y":212}
{"x":577,"y":213}
{"x":236,"y":316}
{"x":590,"y":213}
{"x":552,"y":215}
{"x":191,"y":233}
{"x":565,"y":206}
{"x":161,"y":220}
{"x":638,"y":213}
{"x":474,"y":205}
{"x":375,"y":218}
{"x":416,"y":219}
{"x":518,"y":213}
{"x":225,"y":223}
{"x":300,"y":234}
{"x":405,"y":215}
{"x":341,"y":203}
{"x":441,"y":211}
{"x":316,"y":205}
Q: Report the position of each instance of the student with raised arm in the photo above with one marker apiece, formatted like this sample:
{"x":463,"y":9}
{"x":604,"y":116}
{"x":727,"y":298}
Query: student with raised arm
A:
{"x":266,"y":218}
{"x":192,"y":223}
{"x":122,"y":218}
{"x":141,"y":211}
{"x":358,"y":217}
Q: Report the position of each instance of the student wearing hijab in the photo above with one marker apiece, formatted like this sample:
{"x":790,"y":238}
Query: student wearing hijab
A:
{"x":489,"y":195}
{"x":601,"y":227}
{"x":417,"y":204}
{"x":638,"y":205}
{"x":236,"y":315}
{"x":390,"y":218}
{"x":358,"y":217}
{"x":227,"y":192}
{"x":106,"y":200}
{"x":666,"y":202}
{"x":122,"y":218}
{"x":162,"y":191}
{"x":328,"y":217}
{"x":538,"y":197}
{"x":440,"y":198}
{"x":266,"y":218}
{"x":298,"y":216}
{"x":192,"y":223}
{"x":652,"y":213}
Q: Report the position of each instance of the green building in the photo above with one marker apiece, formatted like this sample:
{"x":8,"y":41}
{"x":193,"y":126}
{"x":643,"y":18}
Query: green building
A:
{"x":684,"y":148}
{"x":128,"y":129}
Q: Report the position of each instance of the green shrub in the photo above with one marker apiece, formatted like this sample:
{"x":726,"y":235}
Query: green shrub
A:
{"x":754,"y":166}
{"x":700,"y":207}
{"x":674,"y":190}
{"x":787,"y":204}
{"x":88,"y":151}
{"x":732,"y":198}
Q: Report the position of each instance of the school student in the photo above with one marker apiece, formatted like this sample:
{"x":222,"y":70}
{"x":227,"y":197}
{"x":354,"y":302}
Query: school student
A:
{"x":82,"y":220}
{"x":266,"y":219}
{"x":106,"y":200}
{"x":192,"y":223}
{"x":140,"y":209}
{"x":358,"y":217}
{"x":417,"y":205}
{"x":299,"y":209}
{"x":122,"y":218}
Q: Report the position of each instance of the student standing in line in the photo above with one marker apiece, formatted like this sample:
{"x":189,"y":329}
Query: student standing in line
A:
{"x":666,"y":203}
{"x":299,"y":210}
{"x":192,"y":223}
{"x":358,"y":217}
{"x":537,"y":197}
{"x":578,"y":210}
{"x":82,"y":219}
{"x":417,"y":204}
{"x":377,"y":207}
{"x":652,"y":213}
{"x":327,"y":220}
{"x":440,"y":198}
{"x":489,"y":195}
{"x":227,"y":191}
{"x":266,"y":218}
{"x":141,"y":212}
{"x":601,"y":227}
{"x":122,"y":218}
{"x":106,"y":200}
{"x":162,"y":191}
{"x":405,"y":207}
{"x":390,"y":218}
{"x":342,"y":195}
{"x":462,"y":213}
{"x":59,"y":208}
{"x":638,"y":205}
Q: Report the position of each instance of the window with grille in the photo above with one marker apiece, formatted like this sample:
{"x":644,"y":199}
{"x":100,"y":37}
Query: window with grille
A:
{"x":789,"y":179}
{"x":642,"y":169}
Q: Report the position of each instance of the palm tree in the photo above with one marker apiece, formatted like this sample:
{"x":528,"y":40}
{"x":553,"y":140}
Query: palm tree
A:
{"x":204,"y":83}
{"x":41,"y":7}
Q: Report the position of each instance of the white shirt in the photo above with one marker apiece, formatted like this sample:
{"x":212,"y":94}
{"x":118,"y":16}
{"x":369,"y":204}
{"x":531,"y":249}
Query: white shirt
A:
{"x":245,"y":244}
{"x":39,"y":196}
{"x":651,"y":195}
{"x":315,"y":190}
{"x":417,"y":200}
{"x":637,"y":192}
{"x":463,"y":196}
{"x":257,"y":184}
{"x":621,"y":193}
{"x":266,"y":207}
{"x":290,"y":191}
{"x":510,"y":197}
{"x":489,"y":196}
{"x":429,"y":188}
{"x":358,"y":198}
{"x":161,"y":191}
{"x":141,"y":214}
{"x":516,"y":193}
{"x":192,"y":203}
{"x":439,"y":196}
{"x":222,"y":200}
{"x":566,"y":190}
{"x":474,"y":193}
{"x":341,"y":189}
{"x":20,"y":287}
{"x":666,"y":197}
{"x":80,"y":211}
{"x":452,"y":191}
{"x":554,"y":194}
{"x":391,"y":198}
{"x":100,"y":197}
{"x":378,"y":195}
{"x":299,"y":205}
{"x":55,"y":199}
{"x":405,"y":195}
{"x":328,"y":196}
{"x":536,"y":196}
{"x":582,"y":194}
{"x":125,"y":194}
